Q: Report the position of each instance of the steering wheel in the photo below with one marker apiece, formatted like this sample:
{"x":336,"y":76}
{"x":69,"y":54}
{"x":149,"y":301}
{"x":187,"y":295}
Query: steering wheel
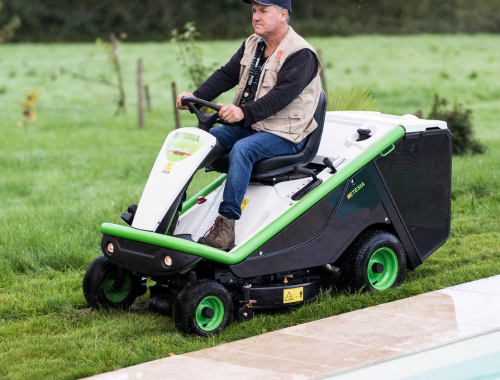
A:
{"x":205,"y":120}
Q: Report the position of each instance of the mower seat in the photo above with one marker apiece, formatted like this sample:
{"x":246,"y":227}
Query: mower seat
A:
{"x":281,"y":165}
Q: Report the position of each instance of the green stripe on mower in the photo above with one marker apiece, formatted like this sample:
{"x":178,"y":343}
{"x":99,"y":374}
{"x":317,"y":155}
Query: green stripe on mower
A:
{"x":245,"y":250}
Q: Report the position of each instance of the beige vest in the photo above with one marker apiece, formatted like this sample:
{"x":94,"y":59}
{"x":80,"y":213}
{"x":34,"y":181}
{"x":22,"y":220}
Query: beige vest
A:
{"x":296,"y":120}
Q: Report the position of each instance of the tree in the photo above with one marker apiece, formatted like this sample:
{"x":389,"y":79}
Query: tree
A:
{"x":7,"y":31}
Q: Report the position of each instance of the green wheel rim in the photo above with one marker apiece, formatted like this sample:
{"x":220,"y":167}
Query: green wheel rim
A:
{"x":384,"y":280}
{"x":210,"y":324}
{"x":117,"y":294}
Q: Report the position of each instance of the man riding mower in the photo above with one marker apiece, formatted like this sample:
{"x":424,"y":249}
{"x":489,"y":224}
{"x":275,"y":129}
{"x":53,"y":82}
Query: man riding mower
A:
{"x":307,"y":193}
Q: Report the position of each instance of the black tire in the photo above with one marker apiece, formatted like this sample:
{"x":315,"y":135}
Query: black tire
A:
{"x":375,"y":261}
{"x":194,"y":300}
{"x":99,"y":286}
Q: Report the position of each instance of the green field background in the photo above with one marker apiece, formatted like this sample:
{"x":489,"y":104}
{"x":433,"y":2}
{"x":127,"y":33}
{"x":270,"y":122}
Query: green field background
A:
{"x":78,"y":166}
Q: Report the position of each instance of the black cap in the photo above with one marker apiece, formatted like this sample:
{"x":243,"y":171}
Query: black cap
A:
{"x":287,"y":4}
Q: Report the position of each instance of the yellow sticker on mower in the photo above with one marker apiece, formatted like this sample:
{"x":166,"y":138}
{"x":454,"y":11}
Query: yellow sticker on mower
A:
{"x":244,"y":203}
{"x":293,"y":295}
{"x":168,"y":167}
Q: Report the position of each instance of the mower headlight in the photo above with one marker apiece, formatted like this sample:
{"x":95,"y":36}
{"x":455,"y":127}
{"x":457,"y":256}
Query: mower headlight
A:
{"x":111,"y":248}
{"x":168,"y":261}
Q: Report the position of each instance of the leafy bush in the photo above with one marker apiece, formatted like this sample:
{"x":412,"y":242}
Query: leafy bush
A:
{"x":459,"y":124}
{"x":8,"y":30}
{"x":352,"y":98}
{"x":191,"y":54}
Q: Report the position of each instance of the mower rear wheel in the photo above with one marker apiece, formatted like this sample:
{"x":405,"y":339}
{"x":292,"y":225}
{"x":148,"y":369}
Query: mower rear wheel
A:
{"x":375,"y":261}
{"x":204,"y":307}
{"x":106,"y":286}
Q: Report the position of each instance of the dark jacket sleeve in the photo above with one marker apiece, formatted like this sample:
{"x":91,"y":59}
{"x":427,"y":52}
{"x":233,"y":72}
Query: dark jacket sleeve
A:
{"x":223,"y":79}
{"x":297,"y":72}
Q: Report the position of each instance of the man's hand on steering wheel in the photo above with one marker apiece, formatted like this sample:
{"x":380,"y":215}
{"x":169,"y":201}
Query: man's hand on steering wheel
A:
{"x":178,"y":103}
{"x":231,"y":113}
{"x":207,"y":120}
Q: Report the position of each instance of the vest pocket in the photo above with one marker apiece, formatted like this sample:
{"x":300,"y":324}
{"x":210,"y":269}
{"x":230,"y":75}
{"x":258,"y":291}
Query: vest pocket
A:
{"x":295,"y":113}
{"x":288,"y":113}
{"x":245,"y":60}
{"x":244,"y":63}
{"x":285,"y":121}
{"x":270,"y":78}
{"x":296,"y":122}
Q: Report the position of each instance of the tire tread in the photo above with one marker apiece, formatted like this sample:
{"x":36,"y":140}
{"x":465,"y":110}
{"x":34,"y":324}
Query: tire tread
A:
{"x":188,"y":300}
{"x":93,"y":286}
{"x":353,"y":273}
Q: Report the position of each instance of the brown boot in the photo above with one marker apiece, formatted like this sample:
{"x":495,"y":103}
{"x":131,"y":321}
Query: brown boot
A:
{"x":221,"y":235}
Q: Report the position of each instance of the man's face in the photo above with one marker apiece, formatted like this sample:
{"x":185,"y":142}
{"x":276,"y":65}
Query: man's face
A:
{"x":266,"y":19}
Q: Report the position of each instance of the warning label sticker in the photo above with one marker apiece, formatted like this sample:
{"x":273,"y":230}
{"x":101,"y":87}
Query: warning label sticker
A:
{"x":293,"y":295}
{"x":244,"y":203}
{"x":168,"y":167}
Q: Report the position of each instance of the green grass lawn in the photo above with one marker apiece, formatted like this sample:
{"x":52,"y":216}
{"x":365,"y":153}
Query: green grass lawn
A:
{"x":79,"y":166}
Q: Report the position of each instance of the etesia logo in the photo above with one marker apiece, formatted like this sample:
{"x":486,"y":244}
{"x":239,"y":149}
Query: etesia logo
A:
{"x":181,"y":145}
{"x":187,"y":136}
{"x":358,"y":188}
{"x":279,"y":54}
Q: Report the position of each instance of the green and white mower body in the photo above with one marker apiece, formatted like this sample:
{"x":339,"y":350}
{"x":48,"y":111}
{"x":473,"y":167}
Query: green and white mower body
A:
{"x":373,"y":201}
{"x":180,"y":157}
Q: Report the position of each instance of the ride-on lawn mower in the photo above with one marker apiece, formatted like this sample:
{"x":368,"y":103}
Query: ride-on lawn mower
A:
{"x":367,"y":198}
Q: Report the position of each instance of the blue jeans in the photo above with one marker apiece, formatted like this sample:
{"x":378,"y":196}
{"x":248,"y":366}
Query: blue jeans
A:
{"x":247,"y":146}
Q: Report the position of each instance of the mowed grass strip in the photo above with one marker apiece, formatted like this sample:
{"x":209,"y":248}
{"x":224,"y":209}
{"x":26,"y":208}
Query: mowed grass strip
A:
{"x":78,"y":167}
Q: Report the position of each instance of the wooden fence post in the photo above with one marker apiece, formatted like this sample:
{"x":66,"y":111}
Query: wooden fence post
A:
{"x":140,"y":92}
{"x":148,"y":97}
{"x":116,"y":61}
{"x":176,"y":111}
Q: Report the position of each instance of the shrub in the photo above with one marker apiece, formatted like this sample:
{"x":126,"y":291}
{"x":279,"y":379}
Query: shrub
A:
{"x":8,"y":30}
{"x":459,"y":124}
{"x":352,"y":98}
{"x":191,"y":54}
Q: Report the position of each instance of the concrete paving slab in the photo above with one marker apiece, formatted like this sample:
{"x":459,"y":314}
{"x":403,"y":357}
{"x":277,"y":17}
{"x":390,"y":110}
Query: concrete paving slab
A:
{"x":184,"y":367}
{"x":376,"y":329}
{"x":313,"y":350}
{"x":291,"y":366}
{"x":341,"y":343}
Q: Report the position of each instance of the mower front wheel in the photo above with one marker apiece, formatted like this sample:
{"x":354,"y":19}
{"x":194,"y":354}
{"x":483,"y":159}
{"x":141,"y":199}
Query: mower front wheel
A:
{"x":204,"y":307}
{"x":244,"y":313}
{"x":106,"y":286}
{"x":375,"y":261}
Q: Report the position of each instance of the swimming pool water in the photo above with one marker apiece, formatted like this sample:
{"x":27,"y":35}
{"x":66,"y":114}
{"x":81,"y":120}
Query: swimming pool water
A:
{"x":485,"y":367}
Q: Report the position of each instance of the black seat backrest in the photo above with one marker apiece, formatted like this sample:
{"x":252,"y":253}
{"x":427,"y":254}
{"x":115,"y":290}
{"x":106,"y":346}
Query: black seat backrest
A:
{"x":280,"y":165}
